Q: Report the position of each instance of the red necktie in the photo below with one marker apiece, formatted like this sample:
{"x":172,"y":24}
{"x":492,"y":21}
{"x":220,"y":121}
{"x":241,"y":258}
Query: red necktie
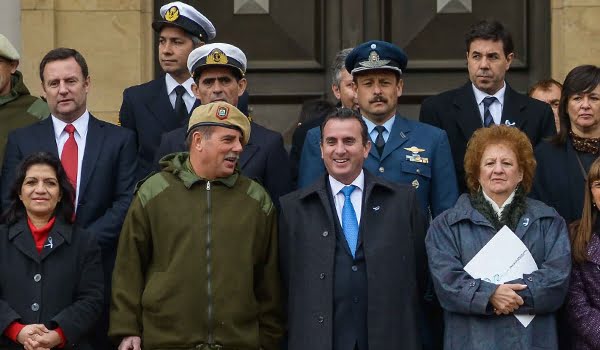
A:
{"x":69,"y":155}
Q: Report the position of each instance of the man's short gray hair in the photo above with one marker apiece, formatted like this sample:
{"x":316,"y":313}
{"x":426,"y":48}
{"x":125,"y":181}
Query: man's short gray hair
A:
{"x":204,"y":130}
{"x":338,"y":65}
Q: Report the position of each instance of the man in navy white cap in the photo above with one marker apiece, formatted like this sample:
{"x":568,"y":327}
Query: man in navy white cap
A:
{"x":17,"y":107}
{"x":165,"y":103}
{"x":219,"y":71}
{"x":404,"y":151}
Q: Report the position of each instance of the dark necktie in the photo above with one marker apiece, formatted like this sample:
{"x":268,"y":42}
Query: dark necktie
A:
{"x":487,"y":115}
{"x":349,"y":221}
{"x":180,"y":108}
{"x":380,"y":141}
{"x":69,"y":156}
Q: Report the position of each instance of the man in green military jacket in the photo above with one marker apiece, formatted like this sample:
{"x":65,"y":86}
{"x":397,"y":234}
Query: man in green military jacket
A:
{"x":197,"y":261}
{"x":17,"y":107}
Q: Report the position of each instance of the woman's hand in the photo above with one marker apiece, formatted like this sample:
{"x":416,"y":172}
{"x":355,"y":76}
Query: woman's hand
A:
{"x":505,"y":300}
{"x":30,"y":331}
{"x":47,"y":340}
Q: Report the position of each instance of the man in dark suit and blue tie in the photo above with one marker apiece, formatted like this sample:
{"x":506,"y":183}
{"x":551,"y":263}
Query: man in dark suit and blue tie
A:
{"x":486,"y":99}
{"x":352,"y":251}
{"x":164,"y":103}
{"x":99,"y":158}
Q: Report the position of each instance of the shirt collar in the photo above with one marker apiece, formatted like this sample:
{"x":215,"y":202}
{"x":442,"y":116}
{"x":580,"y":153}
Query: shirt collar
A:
{"x":499,"y":209}
{"x":480,"y":95}
{"x":388,"y":124}
{"x":80,"y":124}
{"x":337,"y":186}
{"x":172,"y":84}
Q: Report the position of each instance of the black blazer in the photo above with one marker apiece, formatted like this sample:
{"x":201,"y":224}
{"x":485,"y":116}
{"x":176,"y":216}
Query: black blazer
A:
{"x":559,"y":181}
{"x":68,"y":289}
{"x":147,"y":111}
{"x":263,"y":159}
{"x":395,"y":264}
{"x":456,"y":112}
{"x":107,"y":173}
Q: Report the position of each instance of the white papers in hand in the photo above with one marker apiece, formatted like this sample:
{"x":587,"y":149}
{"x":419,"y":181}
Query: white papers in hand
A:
{"x":504,"y":258}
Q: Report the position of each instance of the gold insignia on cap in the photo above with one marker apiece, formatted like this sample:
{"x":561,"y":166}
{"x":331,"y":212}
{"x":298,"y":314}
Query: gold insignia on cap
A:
{"x":222,"y":112}
{"x":172,"y":14}
{"x":216,"y":56}
{"x":374,"y":61}
{"x":415,"y":183}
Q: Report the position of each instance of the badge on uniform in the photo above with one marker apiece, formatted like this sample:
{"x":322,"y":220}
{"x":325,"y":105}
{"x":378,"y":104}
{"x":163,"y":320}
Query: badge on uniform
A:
{"x":172,"y":14}
{"x":216,"y":56}
{"x":222,"y":112}
{"x":415,"y":183}
{"x":415,"y":157}
{"x":507,"y":122}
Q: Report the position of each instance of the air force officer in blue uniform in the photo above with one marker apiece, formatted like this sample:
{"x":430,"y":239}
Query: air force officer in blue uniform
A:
{"x":404,"y":151}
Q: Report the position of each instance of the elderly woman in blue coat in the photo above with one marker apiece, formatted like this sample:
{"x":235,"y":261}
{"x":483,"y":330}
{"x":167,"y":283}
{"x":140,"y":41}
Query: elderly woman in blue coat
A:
{"x":499,"y":167}
{"x":51,"y":284}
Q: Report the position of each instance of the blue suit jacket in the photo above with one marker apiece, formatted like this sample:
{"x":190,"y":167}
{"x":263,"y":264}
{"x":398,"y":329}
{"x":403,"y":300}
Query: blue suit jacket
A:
{"x":434,"y":181}
{"x":107,"y":173}
{"x":263,"y":159}
{"x":147,"y":111}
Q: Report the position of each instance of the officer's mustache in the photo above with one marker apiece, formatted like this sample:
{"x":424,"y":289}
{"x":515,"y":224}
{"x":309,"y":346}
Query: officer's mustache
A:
{"x":378,"y":99}
{"x":232,"y":156}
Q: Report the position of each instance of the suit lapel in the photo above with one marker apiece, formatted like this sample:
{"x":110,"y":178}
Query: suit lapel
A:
{"x":22,"y":239}
{"x":247,"y":153}
{"x":160,"y":105}
{"x":398,"y":136}
{"x":93,"y":146}
{"x":511,"y":111}
{"x":43,"y":134}
{"x":468,"y":117}
{"x":249,"y":150}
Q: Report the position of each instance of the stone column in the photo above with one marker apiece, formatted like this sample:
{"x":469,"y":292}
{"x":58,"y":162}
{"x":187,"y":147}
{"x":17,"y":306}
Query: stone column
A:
{"x":575,"y":35}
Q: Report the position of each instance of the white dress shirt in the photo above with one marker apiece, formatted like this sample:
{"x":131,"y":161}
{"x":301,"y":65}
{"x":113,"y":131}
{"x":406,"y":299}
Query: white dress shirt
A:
{"x":355,"y":196}
{"x":495,"y":108}
{"x":61,"y":137}
{"x":188,"y":98}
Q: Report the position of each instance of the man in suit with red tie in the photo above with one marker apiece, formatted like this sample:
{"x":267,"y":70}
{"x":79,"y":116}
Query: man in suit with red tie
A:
{"x":99,"y":158}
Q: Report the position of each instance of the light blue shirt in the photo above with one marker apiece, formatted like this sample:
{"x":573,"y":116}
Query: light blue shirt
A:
{"x":495,"y":108}
{"x":373,"y":133}
{"x":355,"y":196}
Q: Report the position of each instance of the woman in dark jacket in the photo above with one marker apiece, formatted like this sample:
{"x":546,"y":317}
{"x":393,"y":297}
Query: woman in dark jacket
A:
{"x":478,"y":313}
{"x":583,"y":301}
{"x":51,"y":286}
{"x":564,"y":160}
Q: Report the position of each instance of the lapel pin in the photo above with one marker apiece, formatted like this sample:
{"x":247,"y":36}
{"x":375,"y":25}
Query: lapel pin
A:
{"x":49,"y":244}
{"x":402,"y":135}
{"x":376,"y":208}
{"x":507,"y":122}
{"x":526,"y":222}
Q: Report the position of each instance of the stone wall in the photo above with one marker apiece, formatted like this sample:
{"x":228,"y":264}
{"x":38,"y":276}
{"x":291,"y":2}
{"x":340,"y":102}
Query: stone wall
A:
{"x":575,"y":35}
{"x":115,"y":38}
{"x":112,"y":35}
